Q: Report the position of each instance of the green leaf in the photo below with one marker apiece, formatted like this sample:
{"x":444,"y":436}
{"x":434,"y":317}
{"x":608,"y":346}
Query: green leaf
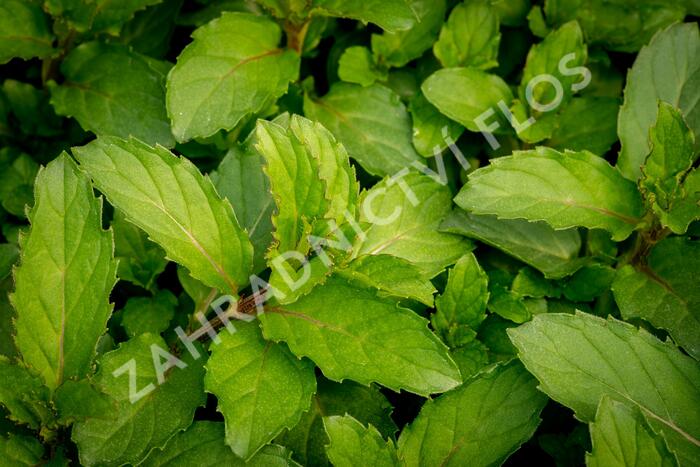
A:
{"x":20,"y":450}
{"x":586,"y":123}
{"x":621,"y":437}
{"x":356,"y":65}
{"x":80,"y":400}
{"x":396,"y":49}
{"x":580,"y":358}
{"x":113,"y":91}
{"x":470,"y":36}
{"x":553,"y":252}
{"x":432,"y":131}
{"x":351,"y":443}
{"x":545,"y":184}
{"x":24,"y":31}
{"x":148,"y":314}
{"x":471,"y":358}
{"x":66,"y":274}
{"x":240,"y":178}
{"x":203,"y":444}
{"x":589,"y":282}
{"x":463,"y":303}
{"x":9,"y":253}
{"x":261,"y":387}
{"x":175,"y":205}
{"x":392,"y":276}
{"x":23,"y":394}
{"x":464,"y":94}
{"x":135,"y":429}
{"x":149,"y":32}
{"x":404,"y":223}
{"x":371,"y":122}
{"x":667,"y":69}
{"x":140,"y":260}
{"x":480,"y":423}
{"x":17,"y":184}
{"x":390,"y":15}
{"x":618,"y":25}
{"x":373,"y":340}
{"x":663,"y":293}
{"x":232,"y":69}
{"x":308,"y":439}
{"x":310,"y":178}
{"x":7,"y":317}
{"x":96,"y":15}
{"x":546,"y":58}
{"x":666,"y":181}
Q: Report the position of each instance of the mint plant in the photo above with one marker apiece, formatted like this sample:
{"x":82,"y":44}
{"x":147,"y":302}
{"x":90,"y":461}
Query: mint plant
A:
{"x":323,"y":232}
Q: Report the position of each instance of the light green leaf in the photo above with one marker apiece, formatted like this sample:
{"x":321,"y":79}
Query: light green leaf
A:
{"x":96,"y":15}
{"x":148,"y":314}
{"x":398,"y":48}
{"x":666,"y":181}
{"x":351,"y":444}
{"x":390,"y":15}
{"x":580,"y":358}
{"x":240,"y":179}
{"x":23,"y":394}
{"x":553,"y":252}
{"x":133,"y":430}
{"x":24,"y":31}
{"x":140,"y":260}
{"x":20,"y":450}
{"x":480,"y":423}
{"x":432,"y":131}
{"x":404,"y":223}
{"x":618,"y":25}
{"x":113,"y":91}
{"x":586,"y":123}
{"x":471,"y":358}
{"x":261,"y":387}
{"x":169,"y":199}
{"x":203,"y":444}
{"x":232,"y":69}
{"x":308,"y":439}
{"x":663,"y":292}
{"x":356,"y":65}
{"x":667,"y":69}
{"x":464,"y":94}
{"x":392,"y":276}
{"x":463,"y":303}
{"x":371,"y":122}
{"x":470,"y":36}
{"x":66,"y":274}
{"x":622,"y":437}
{"x":545,"y":184}
{"x":310,"y":178}
{"x":373,"y":340}
{"x":80,"y":400}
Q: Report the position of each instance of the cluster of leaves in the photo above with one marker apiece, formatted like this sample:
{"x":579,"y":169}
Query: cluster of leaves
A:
{"x":431,"y":300}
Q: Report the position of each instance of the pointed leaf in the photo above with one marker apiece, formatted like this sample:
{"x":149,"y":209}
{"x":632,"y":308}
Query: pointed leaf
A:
{"x":96,"y":15}
{"x":135,"y":429}
{"x":24,"y":31}
{"x":404,"y":223}
{"x":553,"y":252}
{"x":261,"y":387}
{"x":371,"y":122}
{"x":20,"y":450}
{"x":622,"y":437}
{"x":66,"y":274}
{"x":351,"y":443}
{"x":580,"y":358}
{"x":480,"y":423}
{"x":23,"y":394}
{"x":544,"y":184}
{"x":372,"y":340}
{"x":667,"y":69}
{"x":169,"y":199}
{"x":392,"y":15}
{"x":232,"y":69}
